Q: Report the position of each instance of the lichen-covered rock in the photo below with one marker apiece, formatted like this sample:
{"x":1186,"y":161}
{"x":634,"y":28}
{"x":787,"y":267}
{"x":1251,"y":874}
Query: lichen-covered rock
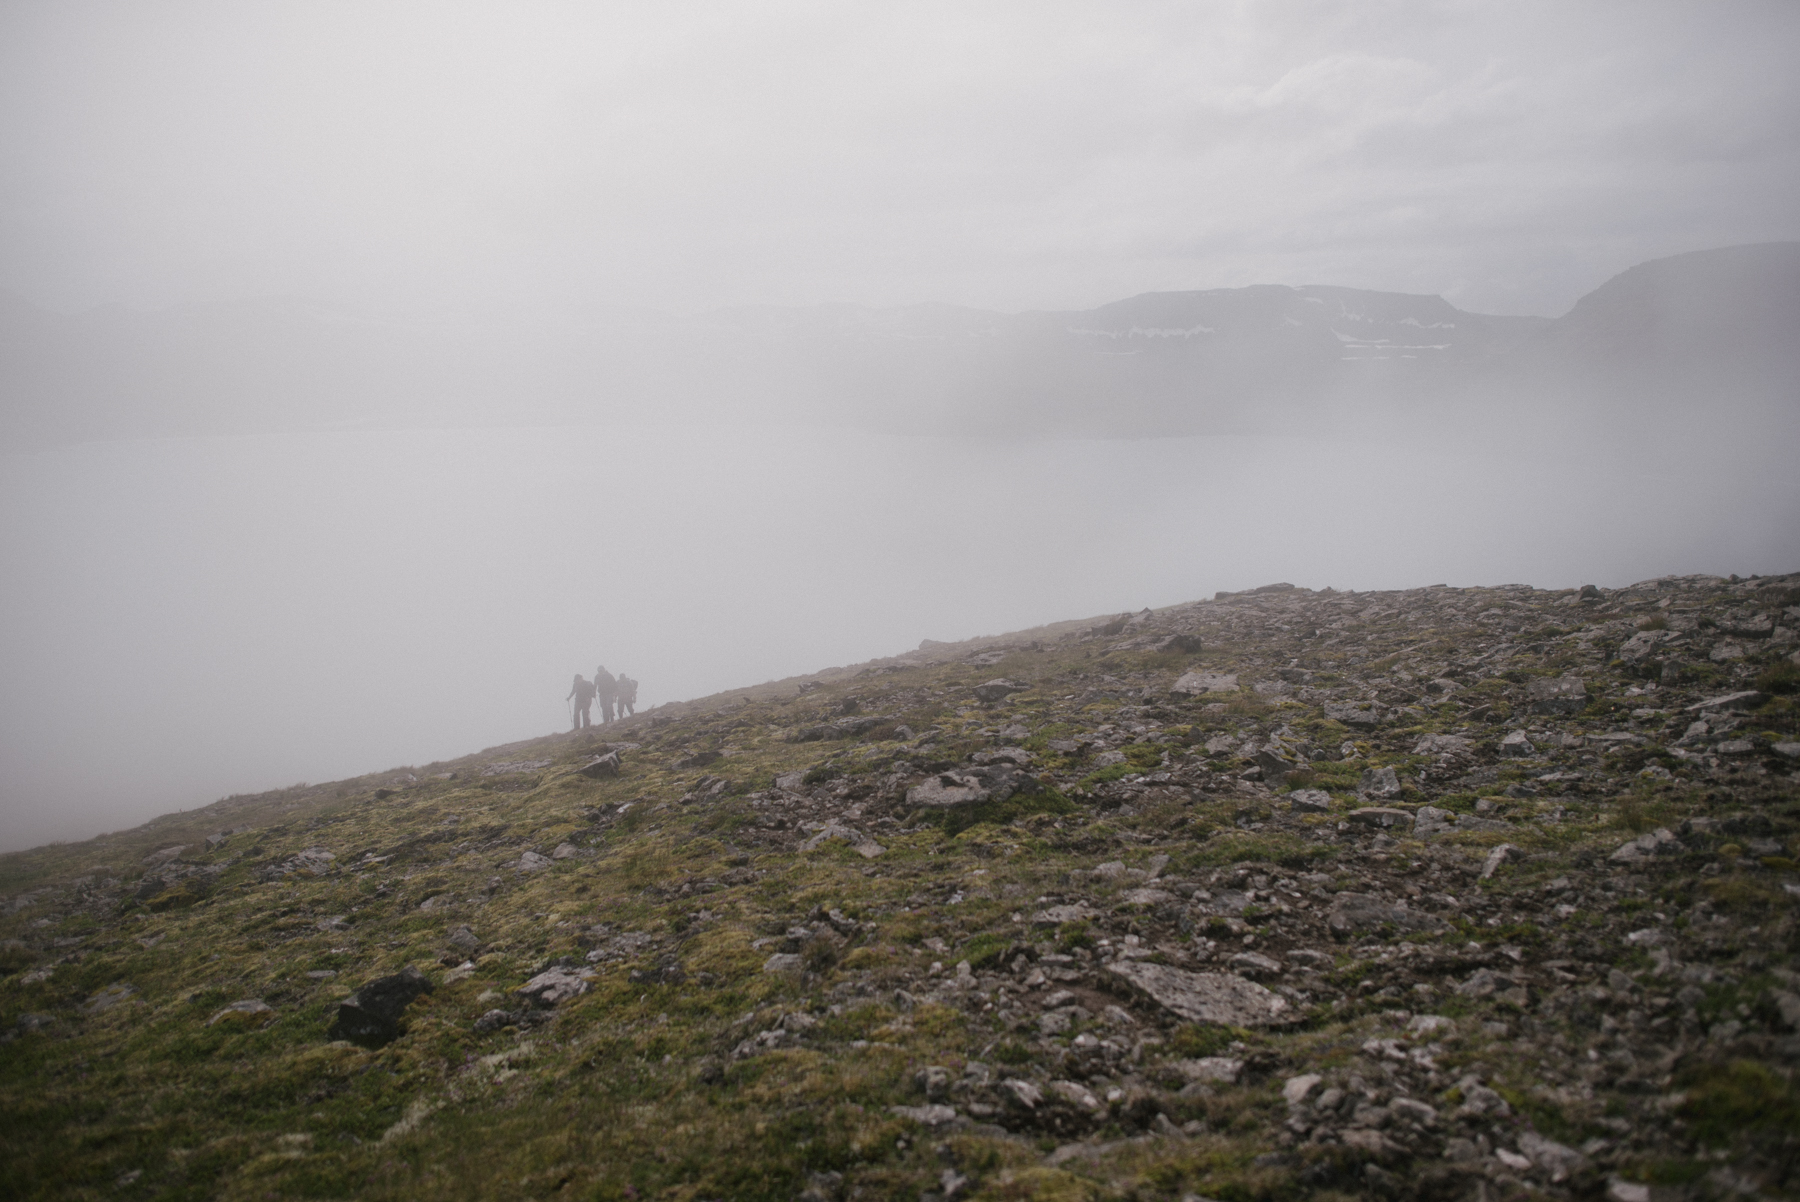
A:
{"x":1205,"y":997}
{"x":1193,"y":684}
{"x":1556,"y":695}
{"x":602,"y":766}
{"x":554,"y":986}
{"x":1659,"y":842}
{"x":997,"y":689}
{"x":253,"y":1010}
{"x":1352,"y":913}
{"x":1359,"y":715}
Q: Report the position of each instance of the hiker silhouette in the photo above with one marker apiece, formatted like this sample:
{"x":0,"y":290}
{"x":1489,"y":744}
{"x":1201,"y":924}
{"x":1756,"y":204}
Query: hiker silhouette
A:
{"x":582,"y":692}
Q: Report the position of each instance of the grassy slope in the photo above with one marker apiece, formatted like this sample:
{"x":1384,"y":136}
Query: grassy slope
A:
{"x":635,"y":1089}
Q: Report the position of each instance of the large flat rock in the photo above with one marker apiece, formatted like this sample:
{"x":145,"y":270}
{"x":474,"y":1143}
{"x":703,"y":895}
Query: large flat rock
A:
{"x":1206,"y":997}
{"x":1197,"y":682}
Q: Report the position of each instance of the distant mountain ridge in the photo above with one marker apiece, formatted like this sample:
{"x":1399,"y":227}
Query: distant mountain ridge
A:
{"x":1256,"y":359}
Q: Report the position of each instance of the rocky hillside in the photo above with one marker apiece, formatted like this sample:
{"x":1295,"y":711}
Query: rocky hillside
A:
{"x":1444,"y":893}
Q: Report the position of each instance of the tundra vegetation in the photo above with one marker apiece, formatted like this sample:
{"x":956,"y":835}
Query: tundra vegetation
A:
{"x":1441,"y":893}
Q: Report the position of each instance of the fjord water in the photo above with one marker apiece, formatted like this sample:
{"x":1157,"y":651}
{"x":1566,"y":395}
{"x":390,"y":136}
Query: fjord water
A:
{"x":230,"y":614}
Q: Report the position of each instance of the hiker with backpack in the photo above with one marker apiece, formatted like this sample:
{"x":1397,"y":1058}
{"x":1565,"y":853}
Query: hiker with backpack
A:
{"x":608,"y":689}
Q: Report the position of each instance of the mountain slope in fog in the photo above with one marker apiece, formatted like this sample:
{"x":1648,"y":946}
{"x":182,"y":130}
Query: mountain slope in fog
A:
{"x":1436,"y":893}
{"x":1709,"y":328}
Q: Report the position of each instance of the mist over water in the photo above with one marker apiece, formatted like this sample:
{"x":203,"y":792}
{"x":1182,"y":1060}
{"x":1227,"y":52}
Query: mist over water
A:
{"x":189,"y":618}
{"x":367,"y":372}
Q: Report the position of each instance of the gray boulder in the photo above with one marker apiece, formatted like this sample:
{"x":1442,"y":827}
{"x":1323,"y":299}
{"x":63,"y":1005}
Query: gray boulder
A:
{"x":1017,"y":756}
{"x":1354,"y":912}
{"x":1192,"y":684}
{"x":1274,"y":765}
{"x":967,"y":786}
{"x":602,"y":766}
{"x":998,"y":689}
{"x":1205,"y":997}
{"x":1556,"y":695}
{"x":1360,"y":715}
{"x":554,"y":986}
{"x":1659,"y":842}
{"x":1309,"y":801}
{"x":1516,"y":745}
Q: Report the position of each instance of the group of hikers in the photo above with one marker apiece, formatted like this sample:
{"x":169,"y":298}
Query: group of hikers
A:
{"x":617,"y":696}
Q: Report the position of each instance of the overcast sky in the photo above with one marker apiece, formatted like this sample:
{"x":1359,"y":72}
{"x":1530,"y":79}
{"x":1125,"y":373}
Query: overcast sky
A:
{"x":409,"y":158}
{"x":182,"y":618}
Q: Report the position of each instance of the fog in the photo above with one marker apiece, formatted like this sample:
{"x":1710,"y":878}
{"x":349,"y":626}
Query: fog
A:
{"x":365,"y":374}
{"x":189,"y":618}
